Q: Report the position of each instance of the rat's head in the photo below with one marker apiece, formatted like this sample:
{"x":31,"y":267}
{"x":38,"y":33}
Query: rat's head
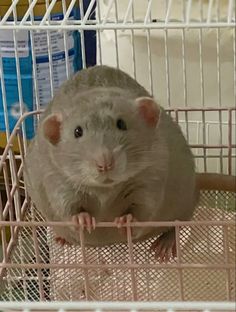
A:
{"x":104,"y":138}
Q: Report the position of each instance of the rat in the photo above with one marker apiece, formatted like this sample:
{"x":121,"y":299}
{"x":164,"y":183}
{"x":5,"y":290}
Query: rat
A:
{"x":105,"y":150}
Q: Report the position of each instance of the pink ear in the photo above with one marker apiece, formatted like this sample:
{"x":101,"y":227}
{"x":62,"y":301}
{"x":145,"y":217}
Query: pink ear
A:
{"x":51,"y":128}
{"x":149,"y":110}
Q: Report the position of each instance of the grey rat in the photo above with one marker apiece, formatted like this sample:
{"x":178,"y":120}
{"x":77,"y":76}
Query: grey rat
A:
{"x":106,"y":151}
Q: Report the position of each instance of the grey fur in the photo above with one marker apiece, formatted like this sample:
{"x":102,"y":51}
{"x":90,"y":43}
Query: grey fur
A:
{"x":158,"y":182}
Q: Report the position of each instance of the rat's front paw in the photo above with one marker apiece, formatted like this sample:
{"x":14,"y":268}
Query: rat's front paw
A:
{"x":83,"y":219}
{"x":125,"y":219}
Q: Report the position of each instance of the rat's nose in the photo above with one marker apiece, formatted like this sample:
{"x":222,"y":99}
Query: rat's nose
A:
{"x":105,"y":162}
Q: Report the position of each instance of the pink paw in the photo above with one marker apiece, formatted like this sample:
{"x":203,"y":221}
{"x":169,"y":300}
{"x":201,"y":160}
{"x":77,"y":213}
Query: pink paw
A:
{"x":165,"y":247}
{"x":125,"y":219}
{"x":61,"y":241}
{"x":84,"y":220}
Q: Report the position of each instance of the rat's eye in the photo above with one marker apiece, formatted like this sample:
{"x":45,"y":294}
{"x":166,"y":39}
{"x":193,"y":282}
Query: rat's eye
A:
{"x":78,"y":132}
{"x":121,"y":125}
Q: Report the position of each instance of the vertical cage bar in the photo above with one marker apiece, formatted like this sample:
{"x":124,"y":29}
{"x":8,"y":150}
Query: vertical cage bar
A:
{"x":179,"y":262}
{"x":22,"y":152}
{"x":201,"y":58}
{"x":83,"y":54}
{"x":230,"y":10}
{"x":149,"y":61}
{"x":131,"y":258}
{"x":22,"y":110}
{"x":98,"y":34}
{"x":226,"y":257}
{"x":187,"y":125}
{"x":198,"y":142}
{"x":209,"y":12}
{"x":9,"y":197}
{"x":18,"y":72}
{"x":65,"y":39}
{"x":230,"y":142}
{"x":148,"y":12}
{"x":221,"y":142}
{"x":84,"y":261}
{"x":23,"y":269}
{"x":132,"y":44}
{"x":204,"y":140}
{"x":177,"y":116}
{"x":167,"y":66}
{"x":183,"y":10}
{"x":188,"y":11}
{"x":184,"y":68}
{"x":35,"y":80}
{"x":3,"y":234}
{"x":116,"y":37}
{"x":218,"y":65}
{"x":15,"y":183}
{"x":218,"y":53}
{"x":201,"y":69}
{"x":234,"y":53}
{"x":50,"y":59}
{"x":168,"y":11}
{"x":39,"y":271}
{"x":4,"y":99}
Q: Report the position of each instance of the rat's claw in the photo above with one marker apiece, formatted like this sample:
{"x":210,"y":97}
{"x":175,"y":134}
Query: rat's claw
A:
{"x":83,"y":219}
{"x":119,"y":221}
{"x":165,"y":247}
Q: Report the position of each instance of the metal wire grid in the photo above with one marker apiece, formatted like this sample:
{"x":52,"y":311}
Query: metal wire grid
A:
{"x":204,"y":269}
{"x":194,"y":19}
{"x":35,"y":268}
{"x":207,"y":17}
{"x":119,"y":306}
{"x":30,"y":274}
{"x":165,"y":81}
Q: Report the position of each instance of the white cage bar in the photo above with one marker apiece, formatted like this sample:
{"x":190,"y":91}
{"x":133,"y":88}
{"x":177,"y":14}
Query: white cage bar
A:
{"x":205,"y":245}
{"x":119,"y":306}
{"x":125,"y":23}
{"x":184,"y":53}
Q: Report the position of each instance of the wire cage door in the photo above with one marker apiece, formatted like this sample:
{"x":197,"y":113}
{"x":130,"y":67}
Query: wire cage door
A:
{"x":184,"y":53}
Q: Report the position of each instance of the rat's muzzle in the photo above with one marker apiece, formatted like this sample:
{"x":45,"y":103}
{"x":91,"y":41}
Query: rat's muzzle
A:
{"x":104,"y":161}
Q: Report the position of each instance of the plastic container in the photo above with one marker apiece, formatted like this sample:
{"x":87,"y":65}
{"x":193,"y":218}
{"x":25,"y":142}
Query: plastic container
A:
{"x":34,"y":46}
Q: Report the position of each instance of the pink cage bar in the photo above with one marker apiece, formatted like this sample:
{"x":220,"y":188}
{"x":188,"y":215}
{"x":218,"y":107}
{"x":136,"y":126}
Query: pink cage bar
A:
{"x":33,"y":267}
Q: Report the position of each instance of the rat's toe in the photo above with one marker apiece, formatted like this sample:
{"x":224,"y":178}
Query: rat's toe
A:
{"x":165,"y":246}
{"x":168,"y":255}
{"x":83,"y":219}
{"x":120,"y":221}
{"x":123,"y":219}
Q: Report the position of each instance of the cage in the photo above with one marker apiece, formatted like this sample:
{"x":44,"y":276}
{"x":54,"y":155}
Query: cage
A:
{"x":184,"y":53}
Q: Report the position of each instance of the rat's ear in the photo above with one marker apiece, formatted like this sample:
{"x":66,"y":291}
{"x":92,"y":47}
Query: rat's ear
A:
{"x":52,"y":127}
{"x":149,"y":110}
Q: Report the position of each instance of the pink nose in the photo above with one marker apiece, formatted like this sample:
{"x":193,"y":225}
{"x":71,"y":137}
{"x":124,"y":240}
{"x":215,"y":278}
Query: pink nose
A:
{"x":105,"y":163}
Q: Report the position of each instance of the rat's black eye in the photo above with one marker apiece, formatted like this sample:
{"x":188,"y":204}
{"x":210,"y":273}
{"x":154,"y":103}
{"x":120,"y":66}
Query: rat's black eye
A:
{"x":78,"y":132}
{"x":121,"y":125}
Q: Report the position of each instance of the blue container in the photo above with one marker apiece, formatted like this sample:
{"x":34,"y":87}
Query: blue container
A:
{"x":42,"y":68}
